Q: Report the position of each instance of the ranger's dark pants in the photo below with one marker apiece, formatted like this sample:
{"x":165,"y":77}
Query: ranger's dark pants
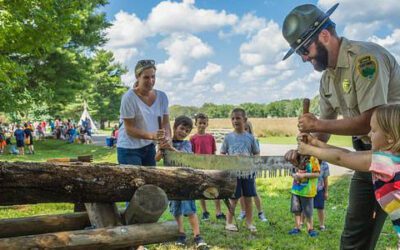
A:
{"x":364,"y":218}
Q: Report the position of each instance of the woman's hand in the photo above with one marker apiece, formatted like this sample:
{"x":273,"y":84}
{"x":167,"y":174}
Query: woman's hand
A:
{"x":159,"y":135}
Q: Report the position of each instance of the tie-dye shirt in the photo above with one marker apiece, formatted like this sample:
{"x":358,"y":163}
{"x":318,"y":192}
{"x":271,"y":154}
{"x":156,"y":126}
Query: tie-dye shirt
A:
{"x":308,"y":186}
{"x":385,"y":168}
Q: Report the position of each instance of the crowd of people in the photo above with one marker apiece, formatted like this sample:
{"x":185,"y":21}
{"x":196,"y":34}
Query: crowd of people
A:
{"x":15,"y":137}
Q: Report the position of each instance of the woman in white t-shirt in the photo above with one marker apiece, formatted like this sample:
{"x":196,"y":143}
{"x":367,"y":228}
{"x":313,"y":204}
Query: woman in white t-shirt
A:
{"x":140,"y":108}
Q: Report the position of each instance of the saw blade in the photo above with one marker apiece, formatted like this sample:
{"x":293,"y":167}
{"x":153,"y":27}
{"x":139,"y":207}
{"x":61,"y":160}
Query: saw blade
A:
{"x":272,"y":166}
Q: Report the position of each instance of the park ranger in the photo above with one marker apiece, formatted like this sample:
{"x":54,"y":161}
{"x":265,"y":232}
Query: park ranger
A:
{"x":357,"y":78}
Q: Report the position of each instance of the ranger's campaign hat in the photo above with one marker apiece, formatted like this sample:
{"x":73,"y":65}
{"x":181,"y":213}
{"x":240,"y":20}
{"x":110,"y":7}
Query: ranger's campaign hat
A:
{"x":302,"y":23}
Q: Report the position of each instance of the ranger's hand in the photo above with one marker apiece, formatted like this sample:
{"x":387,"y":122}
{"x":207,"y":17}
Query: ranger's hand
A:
{"x":307,"y":123}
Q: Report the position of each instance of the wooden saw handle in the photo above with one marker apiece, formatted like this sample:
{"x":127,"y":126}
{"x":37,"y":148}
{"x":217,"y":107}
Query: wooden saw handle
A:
{"x":306,"y":109}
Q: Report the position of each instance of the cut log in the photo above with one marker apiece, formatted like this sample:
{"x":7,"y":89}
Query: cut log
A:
{"x":146,"y":206}
{"x":43,"y":224}
{"x":24,"y":183}
{"x":103,"y":238}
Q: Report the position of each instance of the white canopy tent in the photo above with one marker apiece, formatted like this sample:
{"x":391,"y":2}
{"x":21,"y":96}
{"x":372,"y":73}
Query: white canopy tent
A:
{"x":86,"y":116}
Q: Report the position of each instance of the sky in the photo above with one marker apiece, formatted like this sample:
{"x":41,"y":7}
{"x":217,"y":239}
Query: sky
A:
{"x":230,"y":51}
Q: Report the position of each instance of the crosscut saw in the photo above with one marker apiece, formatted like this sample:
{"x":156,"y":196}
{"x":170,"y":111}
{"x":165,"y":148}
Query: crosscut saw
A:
{"x":241,"y":166}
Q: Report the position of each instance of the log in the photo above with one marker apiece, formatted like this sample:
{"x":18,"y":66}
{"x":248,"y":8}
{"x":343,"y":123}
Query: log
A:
{"x":103,"y":214}
{"x":32,"y":182}
{"x":43,"y":224}
{"x":146,"y":206}
{"x":103,"y":238}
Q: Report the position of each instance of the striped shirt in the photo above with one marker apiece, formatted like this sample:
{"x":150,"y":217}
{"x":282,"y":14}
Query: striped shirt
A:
{"x":385,"y":168}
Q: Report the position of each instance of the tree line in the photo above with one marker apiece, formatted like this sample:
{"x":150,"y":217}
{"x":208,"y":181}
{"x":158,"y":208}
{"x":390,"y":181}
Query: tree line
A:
{"x":282,"y":108}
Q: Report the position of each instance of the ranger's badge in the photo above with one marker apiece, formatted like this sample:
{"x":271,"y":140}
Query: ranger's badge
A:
{"x":346,"y":86}
{"x":367,"y":67}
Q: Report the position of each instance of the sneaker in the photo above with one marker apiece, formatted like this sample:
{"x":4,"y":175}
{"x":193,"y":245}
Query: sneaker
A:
{"x":181,"y":241}
{"x":294,"y":231}
{"x":262,"y":217}
{"x":231,"y":227}
{"x":312,"y":233}
{"x":220,"y":216}
{"x":252,"y":228}
{"x":322,"y":228}
{"x":242,"y":215}
{"x":199,"y":242}
{"x":205,"y":216}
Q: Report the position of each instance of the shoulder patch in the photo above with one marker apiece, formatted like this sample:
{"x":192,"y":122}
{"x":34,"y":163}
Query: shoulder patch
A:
{"x":367,"y":67}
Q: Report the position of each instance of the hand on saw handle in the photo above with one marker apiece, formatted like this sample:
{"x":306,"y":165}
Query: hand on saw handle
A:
{"x":293,"y":156}
{"x":307,"y":123}
{"x":304,"y":159}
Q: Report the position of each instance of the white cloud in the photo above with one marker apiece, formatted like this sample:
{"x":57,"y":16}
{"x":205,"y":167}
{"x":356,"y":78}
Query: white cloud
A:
{"x":127,"y":30}
{"x":182,"y":50}
{"x":264,"y":47}
{"x":124,"y":55}
{"x":361,"y":31}
{"x":353,"y":11}
{"x":169,"y":17}
{"x":362,"y":19}
{"x":390,"y":42}
{"x":203,"y":75}
{"x":219,"y":87}
{"x":248,"y":25}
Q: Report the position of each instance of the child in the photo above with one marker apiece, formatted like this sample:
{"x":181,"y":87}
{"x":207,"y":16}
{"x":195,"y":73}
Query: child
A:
{"x":322,"y":194}
{"x":182,"y":127}
{"x":2,"y":142}
{"x":204,"y":143}
{"x":19,"y":137}
{"x":240,"y":142}
{"x":304,"y":188}
{"x":29,"y":137}
{"x":383,"y":160}
{"x":257,"y":199}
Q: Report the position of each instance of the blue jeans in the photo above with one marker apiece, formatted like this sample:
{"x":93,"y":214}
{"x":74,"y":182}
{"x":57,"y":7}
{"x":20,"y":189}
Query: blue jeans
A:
{"x":144,"y":156}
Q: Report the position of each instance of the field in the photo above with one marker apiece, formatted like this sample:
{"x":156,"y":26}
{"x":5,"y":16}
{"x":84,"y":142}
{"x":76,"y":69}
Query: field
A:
{"x":275,"y":130}
{"x":275,"y":199}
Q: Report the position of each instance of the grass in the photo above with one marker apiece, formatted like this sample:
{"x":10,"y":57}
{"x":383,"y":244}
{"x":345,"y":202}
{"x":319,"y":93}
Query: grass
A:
{"x":58,"y":149}
{"x":273,"y":191}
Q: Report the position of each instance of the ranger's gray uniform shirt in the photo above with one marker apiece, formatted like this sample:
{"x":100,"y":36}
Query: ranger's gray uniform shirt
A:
{"x":366,"y":76}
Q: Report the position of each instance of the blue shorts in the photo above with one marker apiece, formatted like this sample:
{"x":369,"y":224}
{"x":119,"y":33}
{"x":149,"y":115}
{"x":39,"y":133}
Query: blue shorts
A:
{"x":245,"y":187}
{"x":145,"y":156}
{"x":186,"y":207}
{"x":20,"y":143}
{"x":319,"y":201}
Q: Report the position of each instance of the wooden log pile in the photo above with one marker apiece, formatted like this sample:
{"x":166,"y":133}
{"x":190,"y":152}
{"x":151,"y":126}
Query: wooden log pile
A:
{"x":27,"y":183}
{"x":96,"y":187}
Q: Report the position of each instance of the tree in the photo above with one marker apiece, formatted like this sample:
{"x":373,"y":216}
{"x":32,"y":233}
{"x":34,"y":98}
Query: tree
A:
{"x":45,"y":50}
{"x":105,"y":88}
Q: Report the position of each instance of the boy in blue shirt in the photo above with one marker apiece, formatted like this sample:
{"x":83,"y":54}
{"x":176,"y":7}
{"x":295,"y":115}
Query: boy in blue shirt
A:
{"x":182,"y":127}
{"x":240,"y":142}
{"x":19,"y":137}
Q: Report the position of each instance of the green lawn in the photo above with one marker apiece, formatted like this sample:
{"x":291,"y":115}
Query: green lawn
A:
{"x":337,"y":140}
{"x":57,"y":149}
{"x":275,"y":198}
